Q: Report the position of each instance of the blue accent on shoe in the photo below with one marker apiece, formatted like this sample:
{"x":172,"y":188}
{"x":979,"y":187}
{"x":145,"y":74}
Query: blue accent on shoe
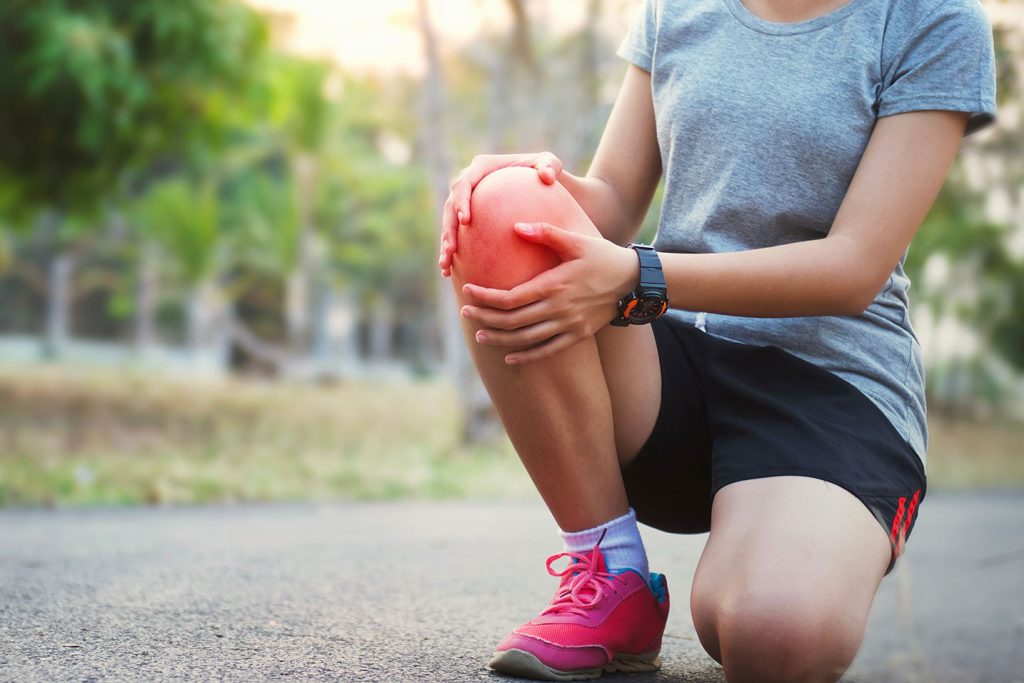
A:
{"x":658,"y":586}
{"x":626,"y":569}
{"x":656,"y":582}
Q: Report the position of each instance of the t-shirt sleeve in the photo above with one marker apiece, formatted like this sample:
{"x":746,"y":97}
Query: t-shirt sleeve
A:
{"x":948,"y":64}
{"x":638,"y":46}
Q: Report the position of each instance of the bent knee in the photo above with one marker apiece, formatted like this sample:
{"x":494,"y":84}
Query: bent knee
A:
{"x":489,"y":252}
{"x":772,"y":635}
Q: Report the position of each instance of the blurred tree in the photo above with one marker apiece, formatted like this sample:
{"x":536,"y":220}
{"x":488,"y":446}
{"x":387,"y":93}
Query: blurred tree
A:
{"x":479,"y":417}
{"x":963,"y":261}
{"x":301,"y":114}
{"x":95,"y":92}
{"x":94,"y":88}
{"x":182,"y":219}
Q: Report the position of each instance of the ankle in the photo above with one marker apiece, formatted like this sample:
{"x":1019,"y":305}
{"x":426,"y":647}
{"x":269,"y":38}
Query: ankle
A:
{"x":620,"y":542}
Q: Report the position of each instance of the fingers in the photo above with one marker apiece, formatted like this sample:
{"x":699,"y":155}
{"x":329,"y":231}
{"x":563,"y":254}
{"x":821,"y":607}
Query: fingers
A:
{"x":557,"y":343}
{"x":461,"y":191}
{"x":506,"y":299}
{"x":531,"y":340}
{"x":449,"y":236}
{"x":507,"y":320}
{"x":520,"y":338}
{"x":548,"y":166}
{"x":565,"y":243}
{"x":462,"y":186}
{"x":444,"y":261}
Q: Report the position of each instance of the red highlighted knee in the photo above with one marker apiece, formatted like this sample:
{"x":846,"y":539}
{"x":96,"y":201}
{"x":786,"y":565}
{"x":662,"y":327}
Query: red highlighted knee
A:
{"x":489,"y":252}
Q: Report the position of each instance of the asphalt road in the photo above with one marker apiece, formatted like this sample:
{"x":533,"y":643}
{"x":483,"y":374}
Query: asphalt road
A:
{"x":423,"y":591}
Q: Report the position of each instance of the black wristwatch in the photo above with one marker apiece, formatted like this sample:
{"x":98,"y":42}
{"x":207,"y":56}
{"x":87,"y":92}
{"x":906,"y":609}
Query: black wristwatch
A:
{"x":650,"y":298}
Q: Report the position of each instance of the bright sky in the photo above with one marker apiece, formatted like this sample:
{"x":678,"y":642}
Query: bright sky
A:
{"x":382,"y":35}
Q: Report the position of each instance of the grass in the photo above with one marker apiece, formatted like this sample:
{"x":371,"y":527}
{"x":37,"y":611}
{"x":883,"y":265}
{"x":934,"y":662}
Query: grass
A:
{"x":966,"y":454}
{"x":82,"y":438}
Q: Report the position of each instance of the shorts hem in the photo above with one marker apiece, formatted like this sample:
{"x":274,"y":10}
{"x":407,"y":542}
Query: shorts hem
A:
{"x":873,"y":501}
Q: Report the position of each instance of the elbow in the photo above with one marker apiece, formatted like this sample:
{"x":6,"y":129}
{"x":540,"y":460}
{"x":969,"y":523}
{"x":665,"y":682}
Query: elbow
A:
{"x":858,"y":297}
{"x":855,"y":277}
{"x":855,"y":304}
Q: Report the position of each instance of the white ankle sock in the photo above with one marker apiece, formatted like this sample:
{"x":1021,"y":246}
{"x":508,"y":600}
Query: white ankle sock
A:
{"x":622,"y":545}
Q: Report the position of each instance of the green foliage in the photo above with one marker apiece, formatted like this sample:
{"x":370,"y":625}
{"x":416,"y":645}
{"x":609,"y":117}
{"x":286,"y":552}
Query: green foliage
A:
{"x":297,"y":105}
{"x":262,"y":216}
{"x":93,"y":88}
{"x":182,"y":218}
{"x":376,"y":221}
{"x":957,"y":229}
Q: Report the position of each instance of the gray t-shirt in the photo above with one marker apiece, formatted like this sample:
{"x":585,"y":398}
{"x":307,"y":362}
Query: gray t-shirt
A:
{"x":761,"y":126}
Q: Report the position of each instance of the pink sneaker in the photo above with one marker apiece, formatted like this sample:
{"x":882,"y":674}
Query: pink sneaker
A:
{"x":598,"y":621}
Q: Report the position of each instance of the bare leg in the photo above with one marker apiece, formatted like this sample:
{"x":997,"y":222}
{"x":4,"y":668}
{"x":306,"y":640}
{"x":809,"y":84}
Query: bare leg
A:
{"x":558,"y":412}
{"x":786,"y":581}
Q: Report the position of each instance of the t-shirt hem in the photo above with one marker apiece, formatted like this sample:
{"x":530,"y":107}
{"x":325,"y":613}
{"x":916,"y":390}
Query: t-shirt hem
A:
{"x":982,"y":113}
{"x":910,"y":434}
{"x":636,"y":56}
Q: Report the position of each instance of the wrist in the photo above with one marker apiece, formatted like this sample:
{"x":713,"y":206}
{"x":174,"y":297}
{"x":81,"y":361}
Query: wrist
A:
{"x":649,"y":298}
{"x":626,"y":277}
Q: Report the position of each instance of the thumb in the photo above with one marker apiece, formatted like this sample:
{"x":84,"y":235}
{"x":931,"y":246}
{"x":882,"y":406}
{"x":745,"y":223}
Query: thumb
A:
{"x":563,"y":242}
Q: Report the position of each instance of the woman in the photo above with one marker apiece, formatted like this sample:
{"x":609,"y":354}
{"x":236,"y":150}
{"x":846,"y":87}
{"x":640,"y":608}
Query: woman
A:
{"x":777,"y":401}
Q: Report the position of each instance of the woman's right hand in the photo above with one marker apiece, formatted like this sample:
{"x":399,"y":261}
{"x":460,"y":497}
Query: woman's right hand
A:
{"x":456,"y":207}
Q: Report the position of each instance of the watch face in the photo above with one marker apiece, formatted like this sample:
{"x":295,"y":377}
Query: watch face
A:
{"x":647,"y":308}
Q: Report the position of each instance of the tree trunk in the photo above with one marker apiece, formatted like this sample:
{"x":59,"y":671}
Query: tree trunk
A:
{"x":201,"y":316}
{"x":146,"y":297}
{"x":479,"y":417}
{"x":381,"y":318}
{"x":209,"y":321}
{"x":298,"y":293}
{"x":58,"y":304}
{"x":335,"y":333}
{"x":582,"y":139}
{"x":526,"y":82}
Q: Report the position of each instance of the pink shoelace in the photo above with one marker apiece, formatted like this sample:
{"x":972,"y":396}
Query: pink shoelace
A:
{"x":585,"y":589}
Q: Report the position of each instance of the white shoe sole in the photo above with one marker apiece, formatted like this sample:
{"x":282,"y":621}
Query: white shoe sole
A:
{"x":525,"y":665}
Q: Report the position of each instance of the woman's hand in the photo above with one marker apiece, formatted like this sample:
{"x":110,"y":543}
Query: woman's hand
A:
{"x":561,"y":306}
{"x":456,"y":207}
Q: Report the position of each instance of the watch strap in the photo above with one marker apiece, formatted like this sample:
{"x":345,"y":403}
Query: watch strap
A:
{"x":651,"y":274}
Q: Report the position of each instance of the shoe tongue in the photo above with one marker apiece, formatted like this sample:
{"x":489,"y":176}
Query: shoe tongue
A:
{"x":597,"y":566}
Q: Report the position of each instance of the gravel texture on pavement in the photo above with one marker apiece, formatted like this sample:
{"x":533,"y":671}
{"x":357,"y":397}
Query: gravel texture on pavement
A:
{"x":422,"y":591}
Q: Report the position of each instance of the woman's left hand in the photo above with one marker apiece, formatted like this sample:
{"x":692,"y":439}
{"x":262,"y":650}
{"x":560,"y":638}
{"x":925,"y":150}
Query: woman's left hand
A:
{"x":561,"y":306}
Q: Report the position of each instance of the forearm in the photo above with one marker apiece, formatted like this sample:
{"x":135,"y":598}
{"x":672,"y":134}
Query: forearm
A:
{"x":604,"y":205}
{"x":818,"y":277}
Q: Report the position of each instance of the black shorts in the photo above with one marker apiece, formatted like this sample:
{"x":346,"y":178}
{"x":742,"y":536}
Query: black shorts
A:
{"x":731,"y":412}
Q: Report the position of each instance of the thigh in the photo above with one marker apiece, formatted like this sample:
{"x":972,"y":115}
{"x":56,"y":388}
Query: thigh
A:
{"x":789,"y":548}
{"x":665,"y":445}
{"x":629,"y":360}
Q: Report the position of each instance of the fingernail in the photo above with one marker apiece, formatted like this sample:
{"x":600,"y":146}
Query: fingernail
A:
{"x":465,"y":312}
{"x":460,"y":216}
{"x":481,"y":337}
{"x":524,"y":227}
{"x":511,"y":361}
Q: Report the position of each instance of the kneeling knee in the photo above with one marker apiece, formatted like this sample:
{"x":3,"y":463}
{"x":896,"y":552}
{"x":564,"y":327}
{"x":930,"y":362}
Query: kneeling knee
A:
{"x":489,"y":253}
{"x":778,"y":638}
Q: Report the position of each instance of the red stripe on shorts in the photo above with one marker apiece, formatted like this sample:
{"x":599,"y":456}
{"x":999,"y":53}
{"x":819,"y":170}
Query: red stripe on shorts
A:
{"x":910,"y":512}
{"x":897,"y":519}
